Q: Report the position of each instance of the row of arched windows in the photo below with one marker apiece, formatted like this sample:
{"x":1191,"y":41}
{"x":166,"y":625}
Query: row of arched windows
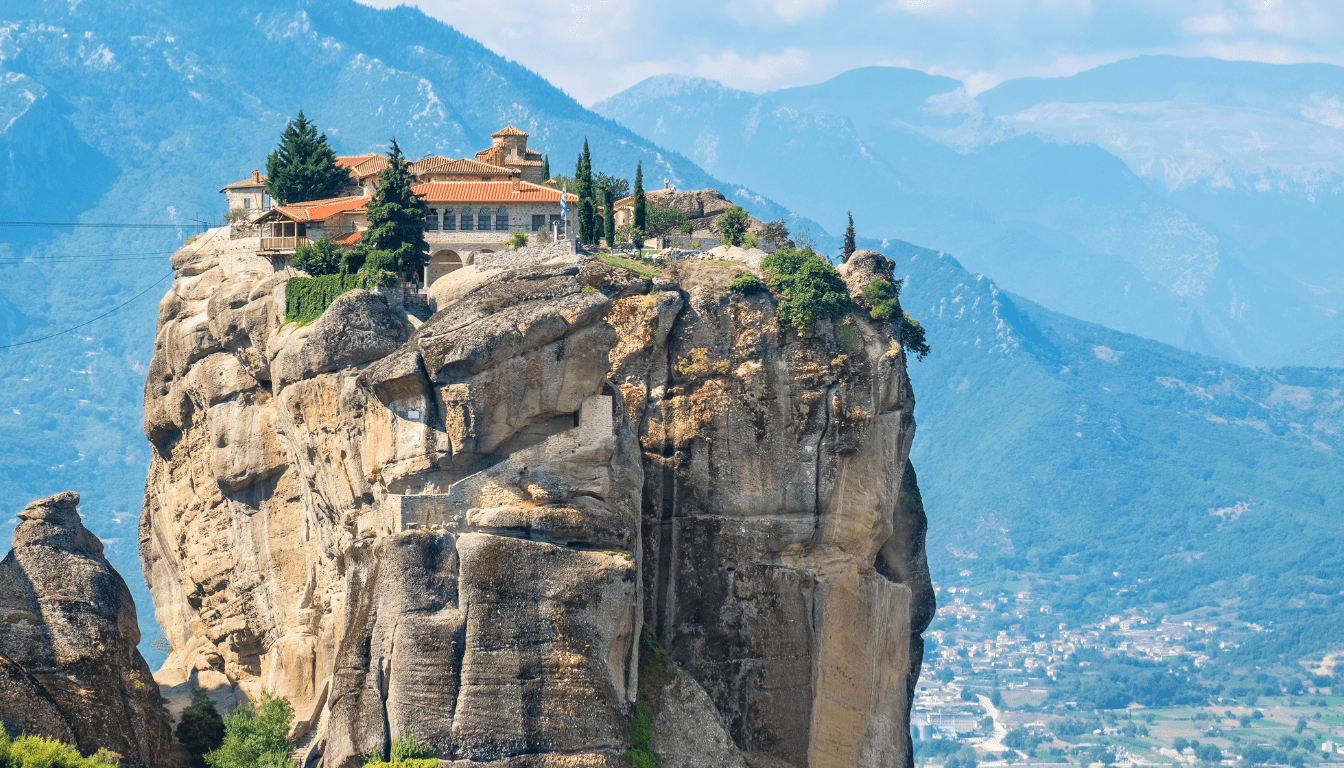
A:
{"x":465,"y":219}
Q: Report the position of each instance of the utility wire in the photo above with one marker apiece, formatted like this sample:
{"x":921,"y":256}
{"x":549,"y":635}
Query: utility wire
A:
{"x":97,"y":225}
{"x":94,"y":320}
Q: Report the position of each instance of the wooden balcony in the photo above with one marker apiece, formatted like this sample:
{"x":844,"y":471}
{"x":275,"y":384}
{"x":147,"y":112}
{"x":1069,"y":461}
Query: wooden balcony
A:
{"x":282,"y":243}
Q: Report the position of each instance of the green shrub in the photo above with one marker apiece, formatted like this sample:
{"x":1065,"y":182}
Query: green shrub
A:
{"x":406,"y":753}
{"x":749,"y":240}
{"x":746,"y":283}
{"x":37,"y":752}
{"x":201,"y":729}
{"x":882,"y":296}
{"x":321,"y":258}
{"x":810,"y":286}
{"x":254,"y":736}
{"x":306,"y":298}
{"x":517,"y":240}
{"x":912,"y":336}
{"x":640,"y":732}
{"x":732,"y":225}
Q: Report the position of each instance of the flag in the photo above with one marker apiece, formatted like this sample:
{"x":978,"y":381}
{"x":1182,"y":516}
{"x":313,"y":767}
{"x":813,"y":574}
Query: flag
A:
{"x":562,"y":201}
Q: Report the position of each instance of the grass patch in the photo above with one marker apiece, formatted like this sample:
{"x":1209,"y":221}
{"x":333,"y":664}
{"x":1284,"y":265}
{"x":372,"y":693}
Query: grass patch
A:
{"x":641,"y":266}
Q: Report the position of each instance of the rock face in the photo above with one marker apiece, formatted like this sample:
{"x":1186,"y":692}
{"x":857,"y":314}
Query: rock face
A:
{"x":69,"y":669}
{"x":461,"y":531}
{"x":703,"y":208}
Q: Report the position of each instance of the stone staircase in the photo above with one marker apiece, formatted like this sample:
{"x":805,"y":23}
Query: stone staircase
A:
{"x":308,"y":732}
{"x":417,"y":305}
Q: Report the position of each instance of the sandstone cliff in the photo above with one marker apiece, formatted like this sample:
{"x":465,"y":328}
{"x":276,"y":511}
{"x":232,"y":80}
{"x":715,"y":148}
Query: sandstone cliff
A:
{"x":69,"y":669}
{"x":461,"y":529}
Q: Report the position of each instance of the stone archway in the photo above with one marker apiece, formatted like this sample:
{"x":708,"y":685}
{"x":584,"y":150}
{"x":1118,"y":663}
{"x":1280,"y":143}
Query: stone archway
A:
{"x":440,"y":264}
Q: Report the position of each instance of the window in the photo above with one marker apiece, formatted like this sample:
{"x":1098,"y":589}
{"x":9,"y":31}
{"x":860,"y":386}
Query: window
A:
{"x":502,"y":220}
{"x":432,"y":219}
{"x":466,"y":218}
{"x":247,"y":203}
{"x":449,"y":219}
{"x":538,"y":222}
{"x":483,"y":220}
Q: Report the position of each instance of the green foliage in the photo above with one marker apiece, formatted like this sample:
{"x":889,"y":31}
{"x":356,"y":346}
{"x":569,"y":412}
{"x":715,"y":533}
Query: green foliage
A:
{"x":749,"y":241}
{"x":746,"y":283}
{"x":303,"y":167}
{"x":732,"y":224}
{"x":1021,"y":739}
{"x":663,"y":220}
{"x":775,"y":232}
{"x":611,"y":186}
{"x":1095,"y":681}
{"x":882,"y":297}
{"x":254,"y":736}
{"x":37,"y":752}
{"x":545,"y":167}
{"x":847,"y":249}
{"x":323,"y":257}
{"x":517,"y":240}
{"x":811,"y":288}
{"x":583,"y":180}
{"x":306,"y":298}
{"x":643,"y":267}
{"x":406,"y":752}
{"x":201,"y":729}
{"x":912,"y":336}
{"x":640,"y":214}
{"x":397,"y":216}
{"x":609,"y":219}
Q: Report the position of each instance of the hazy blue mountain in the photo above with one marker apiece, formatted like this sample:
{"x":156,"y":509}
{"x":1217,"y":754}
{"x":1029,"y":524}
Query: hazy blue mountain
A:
{"x":138,"y":113}
{"x":1065,"y":219}
{"x":1105,"y":471}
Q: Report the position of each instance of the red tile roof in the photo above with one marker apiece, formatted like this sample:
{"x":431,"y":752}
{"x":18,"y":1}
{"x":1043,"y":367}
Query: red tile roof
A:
{"x":508,"y":131}
{"x":321,"y":210}
{"x":435,"y":164}
{"x":349,"y":238}
{"x":246,"y":183}
{"x":350,"y":161}
{"x":488,"y":192}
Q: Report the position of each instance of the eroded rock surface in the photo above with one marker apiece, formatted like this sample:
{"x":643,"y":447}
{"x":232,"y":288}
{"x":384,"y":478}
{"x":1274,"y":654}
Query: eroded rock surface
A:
{"x":461,"y":530}
{"x":69,"y":668}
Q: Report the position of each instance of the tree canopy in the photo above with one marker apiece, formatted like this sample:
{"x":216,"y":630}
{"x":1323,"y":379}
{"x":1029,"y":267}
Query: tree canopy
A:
{"x":397,"y":217}
{"x":640,"y":217}
{"x":583,"y":179}
{"x":732,"y":225}
{"x":303,"y":166}
{"x":848,"y":249}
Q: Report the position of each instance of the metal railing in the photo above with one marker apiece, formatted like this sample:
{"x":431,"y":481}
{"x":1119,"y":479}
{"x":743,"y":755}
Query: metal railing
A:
{"x":282,"y":243}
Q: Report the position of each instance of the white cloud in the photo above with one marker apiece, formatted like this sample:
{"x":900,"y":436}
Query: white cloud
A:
{"x":755,"y":12}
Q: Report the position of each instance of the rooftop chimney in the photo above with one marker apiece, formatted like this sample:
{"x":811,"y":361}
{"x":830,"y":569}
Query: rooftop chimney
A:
{"x":517,"y":184}
{"x":256,"y":175}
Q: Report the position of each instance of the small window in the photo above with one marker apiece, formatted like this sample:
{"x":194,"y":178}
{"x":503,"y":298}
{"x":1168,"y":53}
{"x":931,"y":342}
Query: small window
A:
{"x":538,"y":222}
{"x":247,"y":203}
{"x":432,"y":219}
{"x":502,"y":220}
{"x":449,"y":219}
{"x":483,"y":220}
{"x":466,"y":219}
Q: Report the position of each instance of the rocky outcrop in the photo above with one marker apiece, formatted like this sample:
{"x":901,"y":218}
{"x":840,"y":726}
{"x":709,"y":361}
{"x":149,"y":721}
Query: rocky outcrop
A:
{"x":69,"y":668}
{"x":703,"y":208}
{"x":461,"y":531}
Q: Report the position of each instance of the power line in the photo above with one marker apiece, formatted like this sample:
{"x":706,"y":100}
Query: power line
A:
{"x":94,"y":320}
{"x":96,"y":225}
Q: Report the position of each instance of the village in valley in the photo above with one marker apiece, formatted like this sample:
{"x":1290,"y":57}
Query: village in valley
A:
{"x":996,"y":690}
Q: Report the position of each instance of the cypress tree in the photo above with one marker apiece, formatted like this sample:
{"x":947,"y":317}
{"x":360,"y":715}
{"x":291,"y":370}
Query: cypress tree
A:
{"x":303,"y":166}
{"x":583,"y":179}
{"x":397,"y":216}
{"x":545,"y":168}
{"x":641,"y":212}
{"x":201,"y":729}
{"x":849,"y":240}
{"x":610,"y":217}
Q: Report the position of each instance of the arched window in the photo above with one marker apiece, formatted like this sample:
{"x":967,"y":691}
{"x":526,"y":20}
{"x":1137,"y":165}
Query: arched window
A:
{"x":502,"y":220}
{"x":466,"y":219}
{"x":432,"y":219}
{"x":449,"y":219}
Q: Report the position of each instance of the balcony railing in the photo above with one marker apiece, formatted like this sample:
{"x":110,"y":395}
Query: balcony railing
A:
{"x":282,"y":243}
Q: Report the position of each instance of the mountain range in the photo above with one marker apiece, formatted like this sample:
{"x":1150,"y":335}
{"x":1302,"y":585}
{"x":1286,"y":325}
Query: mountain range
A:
{"x":1089,"y":422}
{"x":1145,"y":195}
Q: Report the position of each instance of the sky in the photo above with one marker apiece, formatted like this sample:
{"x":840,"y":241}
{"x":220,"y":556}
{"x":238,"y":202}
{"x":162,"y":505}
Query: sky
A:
{"x":595,"y":48}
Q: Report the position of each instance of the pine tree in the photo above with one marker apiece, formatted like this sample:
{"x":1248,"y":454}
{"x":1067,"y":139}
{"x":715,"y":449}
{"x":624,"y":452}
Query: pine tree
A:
{"x":397,"y":216}
{"x":640,"y":219}
{"x":545,"y":168}
{"x":849,"y":240}
{"x":303,"y":167}
{"x":583,"y":179}
{"x":610,"y":197}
